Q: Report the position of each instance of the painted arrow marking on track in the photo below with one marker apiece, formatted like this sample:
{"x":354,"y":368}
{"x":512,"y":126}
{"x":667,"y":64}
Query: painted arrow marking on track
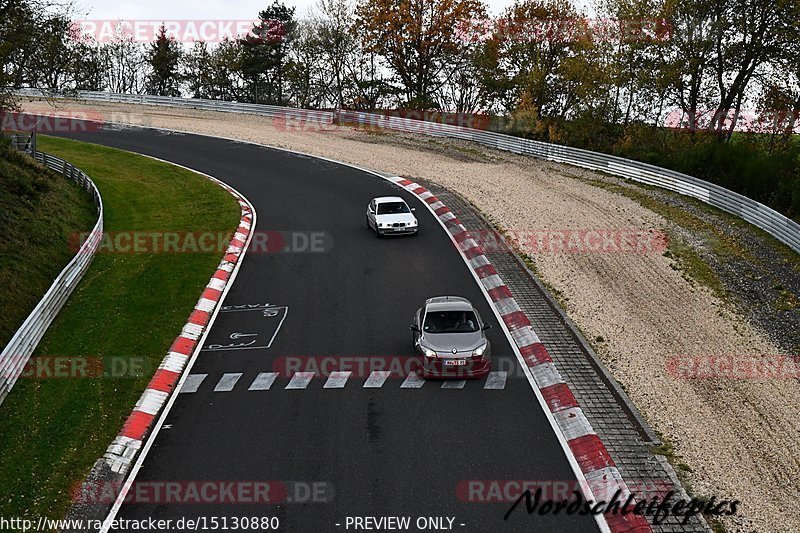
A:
{"x":237,"y":335}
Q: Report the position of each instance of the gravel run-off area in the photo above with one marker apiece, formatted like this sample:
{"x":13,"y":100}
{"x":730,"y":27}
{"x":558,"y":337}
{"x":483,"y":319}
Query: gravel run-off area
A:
{"x":735,"y":438}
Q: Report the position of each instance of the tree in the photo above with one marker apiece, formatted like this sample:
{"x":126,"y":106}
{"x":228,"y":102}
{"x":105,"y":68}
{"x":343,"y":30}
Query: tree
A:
{"x":305,"y":76}
{"x":779,"y":98}
{"x":353,"y":74}
{"x":530,"y":52}
{"x":749,"y":34}
{"x":688,"y":57}
{"x":33,"y":46}
{"x":631,"y":51}
{"x":123,"y":63}
{"x":337,"y":43}
{"x":371,"y":90}
{"x":468,"y":89}
{"x":51,"y":63}
{"x":215,"y":73}
{"x":265,"y":53}
{"x":164,"y":58}
{"x":196,"y":69}
{"x":87,"y":66}
{"x":417,"y":40}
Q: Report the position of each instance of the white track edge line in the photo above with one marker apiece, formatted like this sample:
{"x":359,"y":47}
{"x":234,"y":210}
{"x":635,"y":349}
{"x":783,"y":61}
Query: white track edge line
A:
{"x":573,"y":462}
{"x":108,"y":521}
{"x":601,"y":522}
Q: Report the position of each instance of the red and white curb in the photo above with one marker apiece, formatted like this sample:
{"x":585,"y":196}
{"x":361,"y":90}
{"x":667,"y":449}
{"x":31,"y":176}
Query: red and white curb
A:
{"x":123,"y":450}
{"x":602,"y":476}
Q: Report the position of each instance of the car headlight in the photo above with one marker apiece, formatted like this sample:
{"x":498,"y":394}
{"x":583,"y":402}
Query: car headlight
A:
{"x":480,"y":350}
{"x":427,"y":352}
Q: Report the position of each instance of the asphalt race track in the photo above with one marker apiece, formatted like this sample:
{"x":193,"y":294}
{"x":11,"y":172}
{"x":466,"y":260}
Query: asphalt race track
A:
{"x":370,"y":452}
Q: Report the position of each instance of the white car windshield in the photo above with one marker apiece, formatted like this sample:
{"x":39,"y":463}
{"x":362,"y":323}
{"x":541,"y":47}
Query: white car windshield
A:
{"x":392,"y":208}
{"x":450,"y":322}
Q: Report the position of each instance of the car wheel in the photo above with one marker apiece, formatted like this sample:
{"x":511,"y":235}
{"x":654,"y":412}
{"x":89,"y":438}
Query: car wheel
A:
{"x":378,"y":232}
{"x":368,"y":226}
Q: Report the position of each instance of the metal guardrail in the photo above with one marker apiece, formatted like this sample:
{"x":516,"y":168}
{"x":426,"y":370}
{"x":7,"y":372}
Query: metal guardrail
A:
{"x":19,"y":349}
{"x":303,"y":115}
{"x":782,"y":228}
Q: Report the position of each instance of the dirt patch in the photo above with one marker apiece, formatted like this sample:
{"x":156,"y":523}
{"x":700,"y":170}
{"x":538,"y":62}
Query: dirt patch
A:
{"x":739,"y":437}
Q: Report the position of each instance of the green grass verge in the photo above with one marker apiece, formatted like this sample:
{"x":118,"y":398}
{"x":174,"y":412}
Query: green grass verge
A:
{"x":128,"y":306}
{"x":39,"y":210}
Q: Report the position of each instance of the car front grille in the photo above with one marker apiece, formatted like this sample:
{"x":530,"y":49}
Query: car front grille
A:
{"x":398,"y":225}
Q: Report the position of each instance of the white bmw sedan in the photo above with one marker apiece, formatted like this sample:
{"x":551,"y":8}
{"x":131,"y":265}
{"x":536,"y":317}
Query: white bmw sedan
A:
{"x":390,"y":215}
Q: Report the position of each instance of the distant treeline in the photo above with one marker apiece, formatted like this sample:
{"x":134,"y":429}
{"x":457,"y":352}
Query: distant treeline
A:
{"x":663,"y":81}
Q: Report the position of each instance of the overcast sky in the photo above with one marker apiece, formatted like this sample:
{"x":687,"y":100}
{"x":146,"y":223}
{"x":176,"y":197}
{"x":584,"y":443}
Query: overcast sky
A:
{"x":197,"y":9}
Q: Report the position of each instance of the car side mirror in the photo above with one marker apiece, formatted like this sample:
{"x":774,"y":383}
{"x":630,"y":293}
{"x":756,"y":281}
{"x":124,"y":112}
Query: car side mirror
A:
{"x":487,"y":326}
{"x":414,"y":327}
{"x":413,"y":208}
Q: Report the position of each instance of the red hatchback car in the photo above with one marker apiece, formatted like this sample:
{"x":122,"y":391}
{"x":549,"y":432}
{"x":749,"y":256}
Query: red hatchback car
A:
{"x":450,"y":339}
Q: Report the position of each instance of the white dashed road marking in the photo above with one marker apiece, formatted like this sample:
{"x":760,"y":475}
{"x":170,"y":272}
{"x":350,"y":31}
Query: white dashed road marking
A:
{"x":193,"y":382}
{"x":377,"y":379}
{"x":227,"y":382}
{"x":263,"y":381}
{"x":496,"y":380}
{"x":413,"y":381}
{"x":300,"y":380}
{"x":337,"y":380}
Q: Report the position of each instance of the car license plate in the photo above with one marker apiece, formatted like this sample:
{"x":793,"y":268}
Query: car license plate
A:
{"x":454,"y":362}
